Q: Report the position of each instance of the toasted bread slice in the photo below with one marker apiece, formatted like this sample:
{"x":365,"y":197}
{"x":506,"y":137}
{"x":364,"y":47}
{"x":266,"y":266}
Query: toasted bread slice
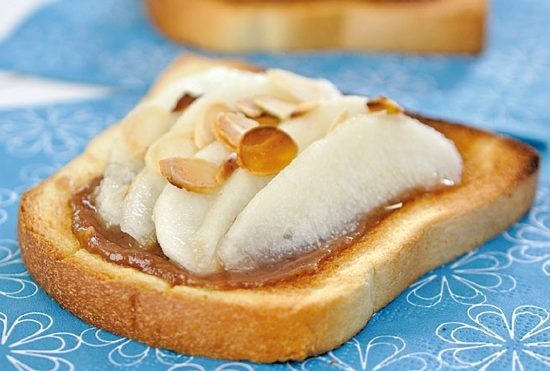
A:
{"x":439,"y":26}
{"x":289,"y":320}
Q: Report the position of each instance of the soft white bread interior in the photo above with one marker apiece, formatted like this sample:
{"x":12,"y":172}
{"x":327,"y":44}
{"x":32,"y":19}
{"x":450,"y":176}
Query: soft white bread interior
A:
{"x":436,"y":26}
{"x":289,"y":320}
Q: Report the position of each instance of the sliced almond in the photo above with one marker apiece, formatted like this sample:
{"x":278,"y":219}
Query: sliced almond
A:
{"x":275,"y":106}
{"x":267,"y":119}
{"x":193,"y":174}
{"x":227,"y":168}
{"x":230,"y":127}
{"x":303,"y":108}
{"x":204,"y":129}
{"x":384,"y":104}
{"x":185,"y":101}
{"x":249,"y":107}
{"x":266,"y":150}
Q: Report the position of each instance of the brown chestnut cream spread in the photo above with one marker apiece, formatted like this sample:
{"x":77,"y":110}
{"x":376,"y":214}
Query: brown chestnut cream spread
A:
{"x":120,"y":248}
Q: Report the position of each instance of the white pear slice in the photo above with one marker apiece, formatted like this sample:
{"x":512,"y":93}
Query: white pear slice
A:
{"x":359,"y":166}
{"x":315,"y":124}
{"x":137,"y":207}
{"x":139,"y":129}
{"x":300,"y":88}
{"x":235,"y":194}
{"x":111,"y":192}
{"x":177,"y":215}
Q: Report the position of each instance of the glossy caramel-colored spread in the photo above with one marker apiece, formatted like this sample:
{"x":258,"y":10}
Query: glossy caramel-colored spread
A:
{"x":120,"y":248}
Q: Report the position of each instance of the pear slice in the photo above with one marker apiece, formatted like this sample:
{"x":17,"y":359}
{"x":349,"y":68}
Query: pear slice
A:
{"x":177,"y":215}
{"x":137,"y":206}
{"x":307,"y":128}
{"x":359,"y":166}
{"x":232,"y":198}
{"x":301,"y":89}
{"x":136,"y":217}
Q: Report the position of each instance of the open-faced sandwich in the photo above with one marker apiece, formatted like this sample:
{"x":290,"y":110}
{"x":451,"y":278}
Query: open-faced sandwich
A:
{"x":243,"y":213}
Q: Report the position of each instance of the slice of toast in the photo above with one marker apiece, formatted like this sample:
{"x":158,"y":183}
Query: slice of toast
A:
{"x":289,"y":320}
{"x":435,"y":26}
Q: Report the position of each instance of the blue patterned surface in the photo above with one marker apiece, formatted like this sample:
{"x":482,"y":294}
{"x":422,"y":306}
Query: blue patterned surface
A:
{"x":487,"y":310}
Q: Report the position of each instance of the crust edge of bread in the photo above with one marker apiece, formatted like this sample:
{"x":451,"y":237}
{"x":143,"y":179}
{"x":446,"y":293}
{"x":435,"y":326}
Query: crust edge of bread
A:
{"x":268,"y":324}
{"x":420,"y":26}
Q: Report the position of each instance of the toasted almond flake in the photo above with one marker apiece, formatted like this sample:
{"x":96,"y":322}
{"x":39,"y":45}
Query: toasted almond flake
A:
{"x":249,"y":107}
{"x":230,"y":127}
{"x":384,"y":104}
{"x":266,"y":150}
{"x":227,"y":168}
{"x":185,"y":101}
{"x":267,"y":119}
{"x":204,"y":129}
{"x":339,"y":120}
{"x":303,"y":108}
{"x":395,"y":206}
{"x":275,"y":106}
{"x":192,"y":174}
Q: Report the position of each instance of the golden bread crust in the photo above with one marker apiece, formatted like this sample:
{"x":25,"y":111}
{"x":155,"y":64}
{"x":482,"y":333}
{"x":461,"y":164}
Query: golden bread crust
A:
{"x":440,"y":26}
{"x":290,"y":320}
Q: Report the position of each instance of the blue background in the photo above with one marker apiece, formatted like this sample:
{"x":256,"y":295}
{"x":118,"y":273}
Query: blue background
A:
{"x":489,"y":309}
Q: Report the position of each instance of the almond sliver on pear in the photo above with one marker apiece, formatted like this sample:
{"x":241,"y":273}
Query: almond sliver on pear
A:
{"x":275,"y":106}
{"x":249,"y":107}
{"x":231,"y":126}
{"x":266,"y":150}
{"x":192,"y":174}
{"x":204,"y":129}
{"x":227,"y":168}
{"x":384,"y":104}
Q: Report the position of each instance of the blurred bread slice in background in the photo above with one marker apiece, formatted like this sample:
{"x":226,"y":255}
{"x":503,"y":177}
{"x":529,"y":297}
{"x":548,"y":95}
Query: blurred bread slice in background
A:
{"x":410,"y":26}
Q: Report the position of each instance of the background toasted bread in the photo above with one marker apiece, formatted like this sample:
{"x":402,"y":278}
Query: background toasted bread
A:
{"x":289,"y":320}
{"x":436,"y":26}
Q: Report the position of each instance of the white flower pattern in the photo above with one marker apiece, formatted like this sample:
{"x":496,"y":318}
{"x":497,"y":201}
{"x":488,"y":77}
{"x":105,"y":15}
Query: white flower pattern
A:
{"x":466,"y":281}
{"x":380,"y":353}
{"x":493,"y":341}
{"x":27,"y":343}
{"x":531,"y":238}
{"x":58,"y":132}
{"x":15,"y":282}
{"x":7,"y":199}
{"x":128,"y":353}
